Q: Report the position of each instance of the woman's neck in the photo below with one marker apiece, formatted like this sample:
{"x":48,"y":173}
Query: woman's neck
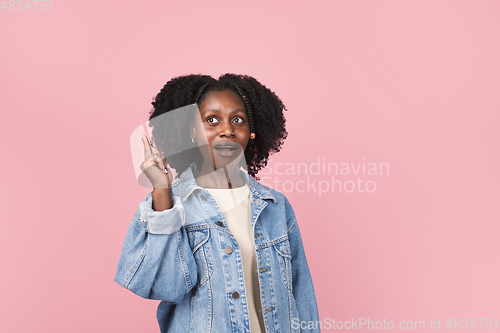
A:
{"x":225,"y":177}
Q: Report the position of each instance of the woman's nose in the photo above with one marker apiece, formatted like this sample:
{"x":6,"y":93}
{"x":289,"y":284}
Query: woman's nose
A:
{"x":226,"y":129}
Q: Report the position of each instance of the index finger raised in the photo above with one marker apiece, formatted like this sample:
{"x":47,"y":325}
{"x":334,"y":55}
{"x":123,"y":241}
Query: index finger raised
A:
{"x":147,"y":147}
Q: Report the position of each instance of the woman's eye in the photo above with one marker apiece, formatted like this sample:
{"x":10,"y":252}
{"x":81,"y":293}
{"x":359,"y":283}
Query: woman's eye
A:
{"x":238,"y":120}
{"x":212,"y":120}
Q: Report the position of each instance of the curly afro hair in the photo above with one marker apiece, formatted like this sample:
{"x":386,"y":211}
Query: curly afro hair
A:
{"x":264,"y":108}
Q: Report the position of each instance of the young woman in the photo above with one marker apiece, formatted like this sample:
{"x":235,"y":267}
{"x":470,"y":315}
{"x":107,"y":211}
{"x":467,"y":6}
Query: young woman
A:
{"x":222,"y":252}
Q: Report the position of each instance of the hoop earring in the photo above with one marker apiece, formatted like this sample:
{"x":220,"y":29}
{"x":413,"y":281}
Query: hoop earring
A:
{"x":193,"y":140}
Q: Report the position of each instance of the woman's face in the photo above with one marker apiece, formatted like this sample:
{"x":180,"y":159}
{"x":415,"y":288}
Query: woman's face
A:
{"x":222,"y":131}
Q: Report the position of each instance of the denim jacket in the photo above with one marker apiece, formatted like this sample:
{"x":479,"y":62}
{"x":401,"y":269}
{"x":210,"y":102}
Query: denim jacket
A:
{"x":178,"y":256}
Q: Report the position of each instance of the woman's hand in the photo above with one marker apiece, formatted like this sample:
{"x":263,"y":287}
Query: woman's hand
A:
{"x":153,"y":166}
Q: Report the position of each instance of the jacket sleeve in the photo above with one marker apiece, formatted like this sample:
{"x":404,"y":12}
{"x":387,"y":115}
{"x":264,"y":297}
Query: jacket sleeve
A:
{"x":302,"y":284}
{"x":156,"y":261}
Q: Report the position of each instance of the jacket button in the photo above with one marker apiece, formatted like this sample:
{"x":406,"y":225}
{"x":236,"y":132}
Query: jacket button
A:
{"x":220,"y":223}
{"x":203,"y":196}
{"x":229,"y":250}
{"x":235,"y":295}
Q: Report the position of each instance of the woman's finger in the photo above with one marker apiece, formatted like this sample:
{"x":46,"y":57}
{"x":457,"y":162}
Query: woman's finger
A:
{"x":167,"y":171}
{"x":156,"y":156}
{"x":147,"y":147}
{"x":155,"y":161}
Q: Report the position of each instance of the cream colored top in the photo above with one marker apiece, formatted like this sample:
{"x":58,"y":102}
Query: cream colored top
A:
{"x":235,"y":204}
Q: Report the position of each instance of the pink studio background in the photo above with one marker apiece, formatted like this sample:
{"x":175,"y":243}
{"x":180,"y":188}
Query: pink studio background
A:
{"x":413,"y":84}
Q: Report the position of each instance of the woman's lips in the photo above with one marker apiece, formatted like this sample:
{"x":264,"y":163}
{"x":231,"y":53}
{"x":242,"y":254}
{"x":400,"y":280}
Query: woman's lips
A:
{"x":226,"y":149}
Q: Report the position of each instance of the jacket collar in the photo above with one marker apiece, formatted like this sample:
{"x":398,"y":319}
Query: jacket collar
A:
{"x":188,"y":184}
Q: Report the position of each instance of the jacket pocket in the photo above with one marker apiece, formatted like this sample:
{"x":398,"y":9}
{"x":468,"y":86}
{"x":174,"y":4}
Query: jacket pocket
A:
{"x":202,"y":252}
{"x":285,"y":261}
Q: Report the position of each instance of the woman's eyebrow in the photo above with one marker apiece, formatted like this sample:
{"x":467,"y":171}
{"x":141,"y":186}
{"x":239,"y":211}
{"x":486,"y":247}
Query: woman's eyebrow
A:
{"x":217,"y":110}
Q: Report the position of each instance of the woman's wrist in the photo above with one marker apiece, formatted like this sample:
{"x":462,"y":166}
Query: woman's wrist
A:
{"x":162,"y":199}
